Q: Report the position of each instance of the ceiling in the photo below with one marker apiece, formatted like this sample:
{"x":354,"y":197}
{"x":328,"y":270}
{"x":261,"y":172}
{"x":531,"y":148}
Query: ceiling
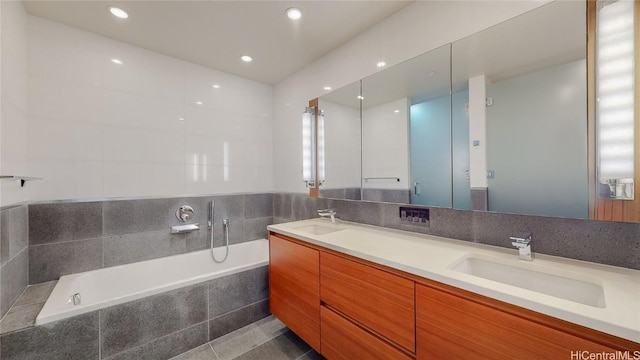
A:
{"x":550,"y":35}
{"x":216,"y":33}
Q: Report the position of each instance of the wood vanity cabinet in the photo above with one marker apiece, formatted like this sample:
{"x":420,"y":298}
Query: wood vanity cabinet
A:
{"x":294,"y":287}
{"x":348,"y":308}
{"x":456,"y":324}
{"x":381,"y":302}
{"x":343,"y":340}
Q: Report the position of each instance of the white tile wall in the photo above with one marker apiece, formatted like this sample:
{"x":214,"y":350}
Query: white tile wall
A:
{"x":100,"y":129}
{"x":13,"y":100}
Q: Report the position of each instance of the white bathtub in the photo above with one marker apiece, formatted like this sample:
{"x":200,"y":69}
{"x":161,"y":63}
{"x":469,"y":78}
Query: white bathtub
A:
{"x":119,"y":284}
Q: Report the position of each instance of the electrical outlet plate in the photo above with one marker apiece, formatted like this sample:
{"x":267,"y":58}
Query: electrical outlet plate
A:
{"x":414,"y":215}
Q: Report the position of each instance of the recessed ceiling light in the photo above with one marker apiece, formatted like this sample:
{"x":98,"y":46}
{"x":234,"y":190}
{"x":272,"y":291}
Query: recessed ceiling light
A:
{"x":327,"y":87}
{"x":381,"y":64}
{"x":117,"y":12}
{"x":117,"y":61}
{"x":293,"y":13}
{"x":246,"y":58}
{"x":181,"y":119}
{"x":430,"y":73}
{"x":360,"y":97}
{"x":396,"y":111}
{"x":199,"y":103}
{"x":216,"y":86}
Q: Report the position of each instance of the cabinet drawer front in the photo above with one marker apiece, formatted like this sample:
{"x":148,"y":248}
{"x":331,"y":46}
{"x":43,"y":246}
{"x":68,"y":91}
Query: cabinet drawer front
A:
{"x":341,"y":339}
{"x":294,"y":289}
{"x":450,"y":327}
{"x":380,"y":301}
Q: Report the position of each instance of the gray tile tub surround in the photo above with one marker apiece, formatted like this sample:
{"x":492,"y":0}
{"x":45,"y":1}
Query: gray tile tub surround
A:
{"x":133,"y":324}
{"x":24,"y":311}
{"x":14,"y":254}
{"x":267,"y":338}
{"x":14,"y":232}
{"x":72,"y":237}
{"x":64,"y":238}
{"x":155,"y":327}
{"x":604,"y":242}
{"x":165,"y":325}
{"x":68,"y":339}
{"x":238,"y":300}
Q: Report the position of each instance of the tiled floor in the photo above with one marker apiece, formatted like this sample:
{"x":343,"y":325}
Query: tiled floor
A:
{"x":266,"y":339}
{"x":24,"y":311}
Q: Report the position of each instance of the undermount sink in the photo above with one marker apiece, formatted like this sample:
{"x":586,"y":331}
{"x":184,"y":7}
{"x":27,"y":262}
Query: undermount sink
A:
{"x":318,"y":229}
{"x":522,"y":276}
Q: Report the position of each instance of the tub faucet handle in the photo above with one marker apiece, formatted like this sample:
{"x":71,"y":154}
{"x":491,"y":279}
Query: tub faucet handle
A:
{"x":74,"y":299}
{"x":184,"y":213}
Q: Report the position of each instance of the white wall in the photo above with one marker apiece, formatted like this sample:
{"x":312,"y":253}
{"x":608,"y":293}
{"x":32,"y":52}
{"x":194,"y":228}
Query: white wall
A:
{"x":419,"y":27}
{"x":342,"y":145}
{"x":99,"y":129}
{"x":385,"y":145}
{"x":13,"y":117}
{"x":478,"y":132}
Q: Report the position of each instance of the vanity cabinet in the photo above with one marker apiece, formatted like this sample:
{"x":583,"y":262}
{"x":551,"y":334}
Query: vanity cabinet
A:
{"x":379,"y":301}
{"x":349,"y":308}
{"x":343,"y":340}
{"x":294,"y":287}
{"x":456,"y":324}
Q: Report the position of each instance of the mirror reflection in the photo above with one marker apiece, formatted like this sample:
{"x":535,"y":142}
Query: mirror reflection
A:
{"x":529,"y":132}
{"x":491,"y":122}
{"x":406,"y":132}
{"x":342,"y":134}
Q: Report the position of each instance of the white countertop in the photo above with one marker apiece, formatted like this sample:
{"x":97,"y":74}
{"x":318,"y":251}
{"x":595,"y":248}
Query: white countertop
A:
{"x":434,"y":257}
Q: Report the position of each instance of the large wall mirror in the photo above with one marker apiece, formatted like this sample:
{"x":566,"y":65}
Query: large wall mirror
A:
{"x":497,"y":121}
{"x":529,"y":152}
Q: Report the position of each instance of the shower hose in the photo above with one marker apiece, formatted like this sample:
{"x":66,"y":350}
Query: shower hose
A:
{"x":225,"y":224}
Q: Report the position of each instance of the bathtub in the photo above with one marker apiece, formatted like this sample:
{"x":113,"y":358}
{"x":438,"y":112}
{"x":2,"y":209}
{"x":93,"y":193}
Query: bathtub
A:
{"x":119,"y":284}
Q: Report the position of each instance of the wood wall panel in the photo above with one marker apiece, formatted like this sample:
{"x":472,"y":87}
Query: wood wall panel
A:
{"x":380,"y":301}
{"x":294,"y":288}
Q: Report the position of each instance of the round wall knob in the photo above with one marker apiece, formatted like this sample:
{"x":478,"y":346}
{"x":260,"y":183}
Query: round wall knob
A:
{"x":184,"y":213}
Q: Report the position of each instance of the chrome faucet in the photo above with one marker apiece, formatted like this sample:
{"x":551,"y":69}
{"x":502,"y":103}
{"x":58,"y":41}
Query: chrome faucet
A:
{"x":328,"y":213}
{"x":522,"y":241}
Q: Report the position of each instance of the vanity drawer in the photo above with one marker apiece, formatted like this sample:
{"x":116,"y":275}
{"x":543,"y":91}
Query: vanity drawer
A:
{"x":381,"y":302}
{"x":341,"y":339}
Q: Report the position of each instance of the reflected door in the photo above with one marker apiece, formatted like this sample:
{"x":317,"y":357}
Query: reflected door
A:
{"x":430,"y":152}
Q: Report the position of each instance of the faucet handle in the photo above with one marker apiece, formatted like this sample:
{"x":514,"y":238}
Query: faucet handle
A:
{"x":523,"y":237}
{"x":327,"y":211}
